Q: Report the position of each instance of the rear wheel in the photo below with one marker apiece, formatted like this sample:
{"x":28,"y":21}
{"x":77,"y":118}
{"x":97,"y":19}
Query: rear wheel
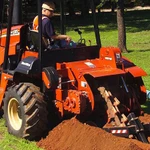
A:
{"x":25,"y":111}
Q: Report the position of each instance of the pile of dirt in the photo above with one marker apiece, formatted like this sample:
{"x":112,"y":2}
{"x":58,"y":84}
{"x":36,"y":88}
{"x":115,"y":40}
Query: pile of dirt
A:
{"x":145,"y":118}
{"x":73,"y":135}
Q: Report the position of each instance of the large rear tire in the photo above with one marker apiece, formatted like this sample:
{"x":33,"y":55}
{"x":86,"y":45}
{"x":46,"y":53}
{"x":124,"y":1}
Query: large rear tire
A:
{"x":25,"y":111}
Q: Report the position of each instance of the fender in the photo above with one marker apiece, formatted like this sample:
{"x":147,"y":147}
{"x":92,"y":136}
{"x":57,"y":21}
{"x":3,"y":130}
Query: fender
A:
{"x":136,"y":71}
{"x":29,"y":65}
{"x":132,"y":68}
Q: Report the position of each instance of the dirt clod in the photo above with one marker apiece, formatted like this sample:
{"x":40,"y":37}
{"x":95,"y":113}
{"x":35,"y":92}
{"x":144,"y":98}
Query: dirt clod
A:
{"x":73,"y":135}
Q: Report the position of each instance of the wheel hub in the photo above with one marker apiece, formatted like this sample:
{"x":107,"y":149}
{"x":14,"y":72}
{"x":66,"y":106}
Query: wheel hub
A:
{"x":14,"y":114}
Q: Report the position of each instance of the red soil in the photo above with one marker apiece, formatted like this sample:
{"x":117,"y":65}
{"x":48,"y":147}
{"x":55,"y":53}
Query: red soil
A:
{"x":73,"y":135}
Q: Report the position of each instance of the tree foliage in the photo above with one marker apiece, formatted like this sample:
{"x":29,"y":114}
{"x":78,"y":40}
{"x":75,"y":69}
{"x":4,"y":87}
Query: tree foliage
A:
{"x":84,"y":6}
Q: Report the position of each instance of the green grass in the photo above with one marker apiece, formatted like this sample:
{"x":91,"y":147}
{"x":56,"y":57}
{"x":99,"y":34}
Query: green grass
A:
{"x":138,"y":45}
{"x":10,"y":142}
{"x":137,"y":34}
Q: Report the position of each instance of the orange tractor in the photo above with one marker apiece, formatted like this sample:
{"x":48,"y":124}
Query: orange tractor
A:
{"x":39,"y":86}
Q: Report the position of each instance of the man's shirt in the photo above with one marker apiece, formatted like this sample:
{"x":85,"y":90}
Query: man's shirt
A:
{"x":47,"y":28}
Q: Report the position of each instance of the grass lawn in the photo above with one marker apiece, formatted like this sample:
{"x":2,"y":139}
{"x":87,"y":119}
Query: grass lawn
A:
{"x":138,"y":45}
{"x":10,"y":142}
{"x":137,"y":33}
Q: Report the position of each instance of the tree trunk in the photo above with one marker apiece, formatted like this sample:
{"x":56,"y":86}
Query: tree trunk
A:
{"x":85,"y":8}
{"x":70,"y":8}
{"x":121,"y":26}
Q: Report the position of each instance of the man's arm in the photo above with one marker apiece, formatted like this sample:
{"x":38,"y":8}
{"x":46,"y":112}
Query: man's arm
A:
{"x":51,"y":34}
{"x":61,"y":37}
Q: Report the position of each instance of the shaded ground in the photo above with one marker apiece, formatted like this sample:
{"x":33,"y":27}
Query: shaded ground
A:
{"x":73,"y":135}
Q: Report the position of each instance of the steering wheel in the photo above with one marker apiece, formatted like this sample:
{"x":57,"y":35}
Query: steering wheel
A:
{"x":81,"y":41}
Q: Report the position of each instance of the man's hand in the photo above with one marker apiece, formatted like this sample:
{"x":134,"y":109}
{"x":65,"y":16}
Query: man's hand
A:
{"x":68,"y":39}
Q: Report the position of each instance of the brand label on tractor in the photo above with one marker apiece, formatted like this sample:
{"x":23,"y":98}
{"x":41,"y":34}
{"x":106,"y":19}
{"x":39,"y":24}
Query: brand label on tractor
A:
{"x":90,"y":64}
{"x":12,"y":33}
{"x":25,"y":64}
{"x":108,"y":58}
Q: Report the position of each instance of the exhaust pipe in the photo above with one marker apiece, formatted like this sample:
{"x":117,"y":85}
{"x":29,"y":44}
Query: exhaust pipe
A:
{"x":17,"y":12}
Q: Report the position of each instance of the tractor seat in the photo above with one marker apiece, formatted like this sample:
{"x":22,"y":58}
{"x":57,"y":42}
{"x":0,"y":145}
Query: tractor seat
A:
{"x":35,"y":40}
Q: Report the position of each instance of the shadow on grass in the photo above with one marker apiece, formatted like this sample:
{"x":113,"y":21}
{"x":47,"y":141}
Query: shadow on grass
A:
{"x":146,"y":107}
{"x":142,"y":50}
{"x":136,"y":21}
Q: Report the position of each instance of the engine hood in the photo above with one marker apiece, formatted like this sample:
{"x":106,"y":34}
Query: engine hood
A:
{"x":94,"y":68}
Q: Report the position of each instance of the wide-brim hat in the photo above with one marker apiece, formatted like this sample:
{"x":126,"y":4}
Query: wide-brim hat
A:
{"x":49,"y":6}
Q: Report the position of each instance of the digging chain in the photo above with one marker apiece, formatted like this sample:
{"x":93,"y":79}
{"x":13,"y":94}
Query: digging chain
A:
{"x":115,"y":118}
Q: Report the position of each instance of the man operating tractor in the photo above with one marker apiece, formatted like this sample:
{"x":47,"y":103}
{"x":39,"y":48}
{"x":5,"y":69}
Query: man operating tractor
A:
{"x":48,"y":30}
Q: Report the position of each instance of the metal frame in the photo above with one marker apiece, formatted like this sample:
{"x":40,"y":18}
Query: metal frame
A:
{"x":134,"y":129}
{"x":11,"y":4}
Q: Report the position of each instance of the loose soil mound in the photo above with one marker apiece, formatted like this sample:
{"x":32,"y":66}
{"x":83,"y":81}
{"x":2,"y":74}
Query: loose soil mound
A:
{"x":73,"y":135}
{"x":145,"y":118}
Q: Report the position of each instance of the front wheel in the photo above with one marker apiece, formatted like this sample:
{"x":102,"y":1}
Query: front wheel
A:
{"x":25,"y":111}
